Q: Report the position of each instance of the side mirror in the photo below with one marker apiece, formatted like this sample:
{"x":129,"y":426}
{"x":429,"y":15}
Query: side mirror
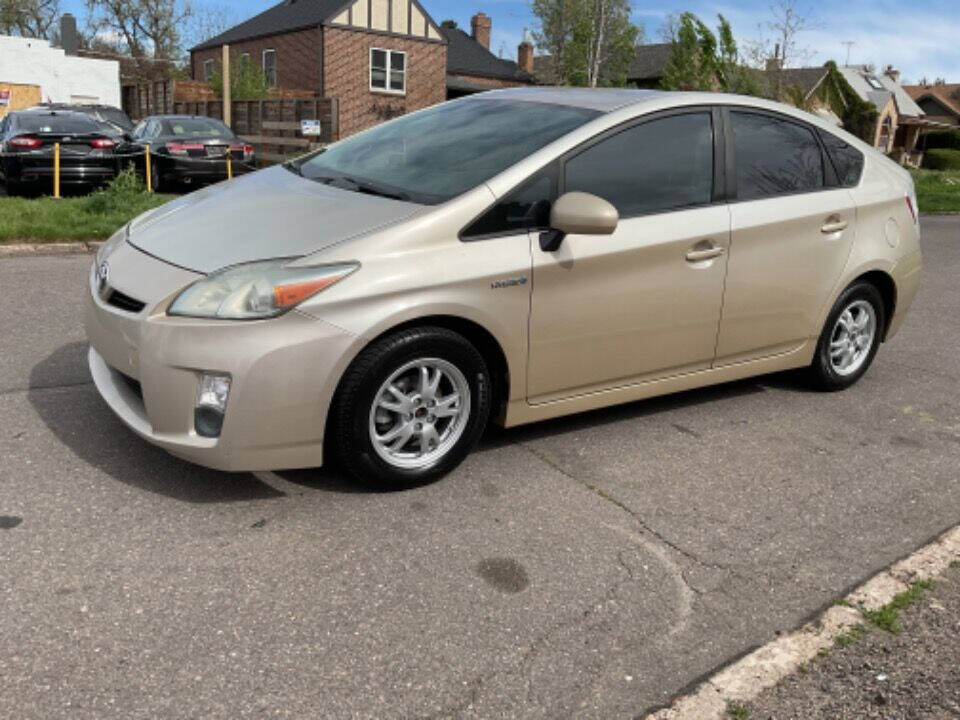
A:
{"x":578,"y":213}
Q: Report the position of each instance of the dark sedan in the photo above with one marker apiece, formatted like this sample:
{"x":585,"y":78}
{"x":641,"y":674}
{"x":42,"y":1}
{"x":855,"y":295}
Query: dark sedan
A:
{"x":190,"y":149}
{"x":27,"y":139}
{"x":115,"y":120}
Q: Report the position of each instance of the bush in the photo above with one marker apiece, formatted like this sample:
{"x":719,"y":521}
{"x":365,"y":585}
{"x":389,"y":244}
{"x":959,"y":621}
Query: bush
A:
{"x":941,"y":159}
{"x":941,"y":139}
{"x":124,"y":190}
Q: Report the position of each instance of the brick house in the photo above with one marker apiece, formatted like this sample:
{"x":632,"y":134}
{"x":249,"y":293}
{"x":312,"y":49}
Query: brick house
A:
{"x":378,"y":58}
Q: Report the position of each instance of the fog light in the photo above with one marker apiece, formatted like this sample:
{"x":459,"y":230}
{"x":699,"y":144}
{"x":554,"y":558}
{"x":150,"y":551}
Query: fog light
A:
{"x":212,"y":394}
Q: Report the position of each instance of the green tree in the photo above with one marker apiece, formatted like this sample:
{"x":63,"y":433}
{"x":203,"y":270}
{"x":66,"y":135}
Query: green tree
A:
{"x":859,"y":116}
{"x":29,"y":18}
{"x":701,"y":61}
{"x":590,"y":42}
{"x":247,"y":81}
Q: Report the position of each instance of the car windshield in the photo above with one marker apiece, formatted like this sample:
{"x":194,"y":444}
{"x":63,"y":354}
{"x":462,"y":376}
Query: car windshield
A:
{"x":53,"y":123}
{"x":444,"y":151}
{"x":196,"y":127}
{"x":115,"y":116}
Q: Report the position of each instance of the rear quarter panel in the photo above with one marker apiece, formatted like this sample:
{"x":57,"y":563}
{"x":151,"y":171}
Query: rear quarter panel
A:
{"x":888,"y":238}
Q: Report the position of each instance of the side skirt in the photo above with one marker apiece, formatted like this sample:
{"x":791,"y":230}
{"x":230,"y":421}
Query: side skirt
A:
{"x":520,"y":412}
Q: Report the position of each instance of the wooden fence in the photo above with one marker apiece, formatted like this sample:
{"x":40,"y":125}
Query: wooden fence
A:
{"x":273,"y":126}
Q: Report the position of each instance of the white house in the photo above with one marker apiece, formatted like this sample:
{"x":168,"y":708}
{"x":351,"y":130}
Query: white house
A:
{"x":30,"y":67}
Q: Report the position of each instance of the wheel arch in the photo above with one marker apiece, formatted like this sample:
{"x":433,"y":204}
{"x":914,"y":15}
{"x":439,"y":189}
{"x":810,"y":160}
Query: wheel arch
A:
{"x":887,"y":287}
{"x":481,"y":338}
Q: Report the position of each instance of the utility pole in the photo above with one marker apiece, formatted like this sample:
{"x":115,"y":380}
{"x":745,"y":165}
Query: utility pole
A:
{"x":227,"y":107}
{"x":849,"y":44}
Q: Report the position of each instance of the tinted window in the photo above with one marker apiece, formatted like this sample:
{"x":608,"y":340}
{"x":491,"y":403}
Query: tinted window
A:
{"x":774,"y":157}
{"x":847,"y":160}
{"x":441,"y":152}
{"x":526,"y":207}
{"x":196,"y":127}
{"x":44,"y":123}
{"x":656,"y":166}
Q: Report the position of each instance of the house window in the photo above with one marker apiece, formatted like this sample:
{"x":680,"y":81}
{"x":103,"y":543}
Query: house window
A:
{"x":388,"y":71}
{"x":244,"y":58}
{"x":885,"y":129}
{"x":270,"y":67}
{"x":208,"y":68}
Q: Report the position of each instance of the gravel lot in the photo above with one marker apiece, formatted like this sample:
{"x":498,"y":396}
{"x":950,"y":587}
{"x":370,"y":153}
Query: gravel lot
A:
{"x":914,"y":675}
{"x":591,"y":566}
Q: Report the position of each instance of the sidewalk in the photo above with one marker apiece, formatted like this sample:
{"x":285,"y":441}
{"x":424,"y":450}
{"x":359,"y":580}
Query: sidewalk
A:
{"x":912,"y":674}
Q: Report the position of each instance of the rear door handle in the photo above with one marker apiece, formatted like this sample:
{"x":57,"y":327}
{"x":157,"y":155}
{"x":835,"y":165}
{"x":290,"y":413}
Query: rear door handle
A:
{"x":834,"y":227}
{"x":705,"y":254}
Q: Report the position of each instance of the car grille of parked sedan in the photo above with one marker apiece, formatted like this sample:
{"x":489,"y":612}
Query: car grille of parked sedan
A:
{"x":124,"y":302}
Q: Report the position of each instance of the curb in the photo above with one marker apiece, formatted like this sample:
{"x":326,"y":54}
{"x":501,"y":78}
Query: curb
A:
{"x":62,"y":248}
{"x":745,"y":679}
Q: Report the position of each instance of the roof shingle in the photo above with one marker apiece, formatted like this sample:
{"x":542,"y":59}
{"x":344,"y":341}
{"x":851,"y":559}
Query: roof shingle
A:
{"x":468,"y":57}
{"x":283,"y":17}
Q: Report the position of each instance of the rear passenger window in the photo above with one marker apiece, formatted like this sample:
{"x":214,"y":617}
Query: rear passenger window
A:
{"x":774,"y":157}
{"x":653,"y":167}
{"x":847,"y":160}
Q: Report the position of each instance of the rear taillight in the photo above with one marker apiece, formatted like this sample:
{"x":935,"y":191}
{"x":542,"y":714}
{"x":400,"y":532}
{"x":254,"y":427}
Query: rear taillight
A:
{"x":183,"y":148}
{"x":26,"y":142}
{"x":913,"y":210}
{"x":102,"y":144}
{"x":247,"y":150}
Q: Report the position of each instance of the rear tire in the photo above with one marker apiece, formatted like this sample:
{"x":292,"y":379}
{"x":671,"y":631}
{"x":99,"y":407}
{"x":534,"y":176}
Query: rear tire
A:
{"x":156,"y":177}
{"x":410,"y":408}
{"x":850,"y":338}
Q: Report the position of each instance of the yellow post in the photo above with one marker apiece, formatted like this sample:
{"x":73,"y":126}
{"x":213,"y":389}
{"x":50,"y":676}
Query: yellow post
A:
{"x":56,"y":170}
{"x":146,"y":154}
{"x":229,"y":166}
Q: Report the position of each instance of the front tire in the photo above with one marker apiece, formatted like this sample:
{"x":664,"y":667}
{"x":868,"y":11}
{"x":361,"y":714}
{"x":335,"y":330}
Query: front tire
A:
{"x":850,"y":338}
{"x":410,"y":408}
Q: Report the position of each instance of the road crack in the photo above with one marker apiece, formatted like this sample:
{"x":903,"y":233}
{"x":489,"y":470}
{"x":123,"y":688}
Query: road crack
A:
{"x":599,"y":491}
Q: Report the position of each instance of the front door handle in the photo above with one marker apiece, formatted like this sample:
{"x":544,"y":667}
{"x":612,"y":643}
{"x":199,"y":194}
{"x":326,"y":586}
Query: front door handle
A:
{"x":834,"y":227}
{"x":705,"y":254}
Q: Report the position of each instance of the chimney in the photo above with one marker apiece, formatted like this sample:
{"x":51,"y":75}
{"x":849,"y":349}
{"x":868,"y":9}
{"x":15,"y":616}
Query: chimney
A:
{"x":525,"y":53}
{"x":68,"y":34}
{"x":481,"y":25}
{"x":892,"y":73}
{"x":775,"y":63}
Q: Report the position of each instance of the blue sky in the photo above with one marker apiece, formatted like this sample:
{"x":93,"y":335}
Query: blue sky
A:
{"x":919,"y":38}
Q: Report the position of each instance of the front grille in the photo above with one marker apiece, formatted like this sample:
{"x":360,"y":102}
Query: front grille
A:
{"x":132,"y":384}
{"x":124,"y":302}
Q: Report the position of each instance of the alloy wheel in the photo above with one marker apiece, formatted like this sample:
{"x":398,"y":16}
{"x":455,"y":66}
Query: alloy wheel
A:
{"x":419,"y":413}
{"x":852,"y":338}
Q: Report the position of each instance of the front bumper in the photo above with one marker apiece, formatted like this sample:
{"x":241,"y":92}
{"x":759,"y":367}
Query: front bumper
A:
{"x":284,"y":374}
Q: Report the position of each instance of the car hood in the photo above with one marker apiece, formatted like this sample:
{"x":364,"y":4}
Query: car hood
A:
{"x":269,"y":214}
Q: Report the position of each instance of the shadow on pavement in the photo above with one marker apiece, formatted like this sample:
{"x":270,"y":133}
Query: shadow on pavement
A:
{"x":790,"y":381}
{"x":85,"y":424}
{"x":82,"y":421}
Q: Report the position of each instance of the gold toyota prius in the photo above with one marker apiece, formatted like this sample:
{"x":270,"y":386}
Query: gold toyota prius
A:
{"x":508,"y":257}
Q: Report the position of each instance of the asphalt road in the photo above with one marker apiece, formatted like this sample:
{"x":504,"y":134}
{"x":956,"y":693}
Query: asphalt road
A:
{"x":592,"y":566}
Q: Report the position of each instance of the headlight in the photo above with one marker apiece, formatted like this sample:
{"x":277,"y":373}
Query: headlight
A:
{"x":258,"y":290}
